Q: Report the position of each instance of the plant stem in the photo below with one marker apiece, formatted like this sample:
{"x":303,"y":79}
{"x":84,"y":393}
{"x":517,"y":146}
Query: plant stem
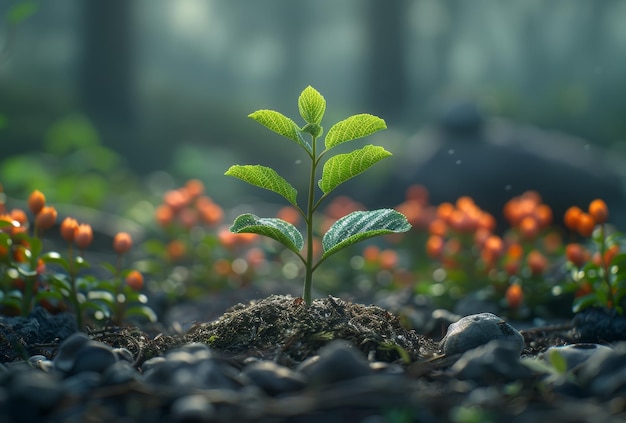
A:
{"x":308,"y":265}
{"x":605,"y":268}
{"x":73,"y":290}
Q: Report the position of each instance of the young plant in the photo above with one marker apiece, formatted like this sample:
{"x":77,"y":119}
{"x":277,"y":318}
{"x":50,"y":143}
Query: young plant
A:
{"x":352,"y":228}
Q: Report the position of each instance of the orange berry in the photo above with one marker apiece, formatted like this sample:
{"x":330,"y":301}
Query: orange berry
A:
{"x":134,"y":279}
{"x":599,"y":211}
{"x":434,"y":246}
{"x":83,"y":235}
{"x":494,"y":244}
{"x":227,"y":238}
{"x":511,"y":267}
{"x":537,"y":262}
{"x":584,"y":289}
{"x":480,"y":236}
{"x":222,"y":267}
{"x":46,"y":217}
{"x":552,"y":242}
{"x":68,"y":229}
{"x":122,"y":242}
{"x":36,"y":202}
{"x":576,"y":254}
{"x":459,"y":221}
{"x":515,"y":251}
{"x":585,"y":224}
{"x":514,"y":296}
{"x":571,"y":217}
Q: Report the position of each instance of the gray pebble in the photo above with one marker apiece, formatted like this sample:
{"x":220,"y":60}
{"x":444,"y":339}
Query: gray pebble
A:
{"x":497,"y":361}
{"x":604,"y":374}
{"x":478,"y":329}
{"x":93,"y":356}
{"x":575,"y":354}
{"x":119,"y":373}
{"x":64,"y":360}
{"x":192,"y":408}
{"x":273,"y":378}
{"x":338,"y":360}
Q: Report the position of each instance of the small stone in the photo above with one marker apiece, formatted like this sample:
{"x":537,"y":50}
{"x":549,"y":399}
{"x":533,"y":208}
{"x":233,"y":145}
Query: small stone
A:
{"x":479,"y":329}
{"x":192,"y":408}
{"x":273,"y":378}
{"x":119,"y":373}
{"x":123,"y":354}
{"x":497,"y":361}
{"x":604,"y":374}
{"x":338,"y":360}
{"x":64,"y":360}
{"x":93,"y":356}
{"x":575,"y":354}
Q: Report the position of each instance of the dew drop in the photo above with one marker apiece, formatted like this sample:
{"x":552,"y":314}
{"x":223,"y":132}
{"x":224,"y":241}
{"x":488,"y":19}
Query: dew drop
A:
{"x":451,"y":151}
{"x":458,"y":162}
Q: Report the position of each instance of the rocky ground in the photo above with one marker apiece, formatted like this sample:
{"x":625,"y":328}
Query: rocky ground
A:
{"x":277,"y":360}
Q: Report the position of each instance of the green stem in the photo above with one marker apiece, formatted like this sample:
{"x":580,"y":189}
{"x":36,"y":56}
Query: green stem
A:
{"x":73,"y":290}
{"x":605,"y":267}
{"x":308,"y":265}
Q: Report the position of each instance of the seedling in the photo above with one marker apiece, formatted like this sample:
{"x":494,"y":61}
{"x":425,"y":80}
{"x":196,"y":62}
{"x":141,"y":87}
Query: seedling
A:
{"x":350,"y":229}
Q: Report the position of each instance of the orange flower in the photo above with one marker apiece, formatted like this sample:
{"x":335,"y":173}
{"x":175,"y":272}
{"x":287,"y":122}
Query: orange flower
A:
{"x":529,"y":228}
{"x":255,"y":257}
{"x":68,"y":229}
{"x":194,"y":188}
{"x":176,"y":250}
{"x":417,"y":193}
{"x":134,"y":279}
{"x":370,"y":253}
{"x":83,"y":235}
{"x":46,"y":217}
{"x":514,"y":296}
{"x":122,"y":242}
{"x":599,"y":211}
{"x":444,"y":211}
{"x":543,"y":215}
{"x":571,"y":217}
{"x":576,"y":254}
{"x":164,"y":215}
{"x":537,"y":262}
{"x":434,"y":246}
{"x":610,"y":253}
{"x":585,"y":224}
{"x":176,"y":200}
{"x":388,"y":259}
{"x":210,"y":213}
{"x":438,"y":227}
{"x":289,"y":214}
{"x":36,"y":202}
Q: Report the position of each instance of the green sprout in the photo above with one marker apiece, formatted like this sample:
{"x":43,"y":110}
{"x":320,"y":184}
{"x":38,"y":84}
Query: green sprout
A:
{"x":350,"y":229}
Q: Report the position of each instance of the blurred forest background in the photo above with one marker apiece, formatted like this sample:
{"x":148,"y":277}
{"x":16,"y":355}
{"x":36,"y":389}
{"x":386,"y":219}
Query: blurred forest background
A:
{"x":105,"y":99}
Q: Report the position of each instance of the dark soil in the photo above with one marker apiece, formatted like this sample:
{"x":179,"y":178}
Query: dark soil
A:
{"x":283,"y":329}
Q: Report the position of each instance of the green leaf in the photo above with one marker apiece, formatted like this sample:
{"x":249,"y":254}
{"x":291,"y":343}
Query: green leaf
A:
{"x":360,"y":225}
{"x":312,"y":105}
{"x":585,"y":301}
{"x":274,"y":228}
{"x":142,"y":311}
{"x":21,"y":11}
{"x":558,"y":361}
{"x":264,"y":177}
{"x":280,"y":124}
{"x":354,"y":127}
{"x":54,"y":257}
{"x":338,"y":169}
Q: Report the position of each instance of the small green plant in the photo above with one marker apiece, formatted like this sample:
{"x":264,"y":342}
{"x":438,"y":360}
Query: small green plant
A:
{"x":352,"y":228}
